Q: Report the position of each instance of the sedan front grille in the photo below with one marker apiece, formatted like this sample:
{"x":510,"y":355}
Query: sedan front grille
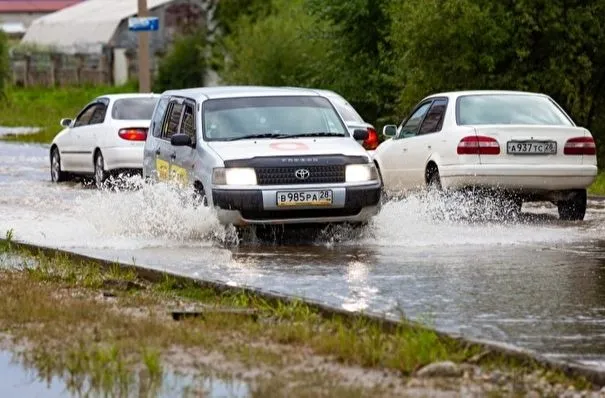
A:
{"x":300,"y":175}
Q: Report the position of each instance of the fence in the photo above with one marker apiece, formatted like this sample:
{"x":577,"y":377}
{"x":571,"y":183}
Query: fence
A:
{"x":50,"y":69}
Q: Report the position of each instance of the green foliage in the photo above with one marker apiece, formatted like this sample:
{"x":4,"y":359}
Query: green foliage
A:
{"x":4,"y":63}
{"x":185,"y":65}
{"x":277,"y":50}
{"x":359,"y":53}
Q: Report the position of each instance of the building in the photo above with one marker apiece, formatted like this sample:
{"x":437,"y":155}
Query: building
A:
{"x":17,"y":15}
{"x":97,"y":30}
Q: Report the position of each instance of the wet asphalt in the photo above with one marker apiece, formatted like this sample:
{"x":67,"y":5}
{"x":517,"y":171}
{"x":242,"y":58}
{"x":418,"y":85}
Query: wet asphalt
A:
{"x":535,"y":282}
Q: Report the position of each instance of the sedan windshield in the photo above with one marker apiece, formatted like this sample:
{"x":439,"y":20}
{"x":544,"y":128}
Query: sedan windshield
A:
{"x":133,"y":108}
{"x":229,"y":119}
{"x":509,"y":109}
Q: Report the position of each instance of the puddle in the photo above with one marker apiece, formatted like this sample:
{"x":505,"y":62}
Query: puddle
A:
{"x":19,"y":380}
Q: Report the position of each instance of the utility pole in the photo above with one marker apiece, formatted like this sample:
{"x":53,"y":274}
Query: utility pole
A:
{"x":144,"y":73}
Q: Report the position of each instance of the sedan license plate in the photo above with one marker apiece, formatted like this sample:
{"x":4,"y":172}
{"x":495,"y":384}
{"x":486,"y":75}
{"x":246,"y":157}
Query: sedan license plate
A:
{"x":531,"y":147}
{"x":304,"y":198}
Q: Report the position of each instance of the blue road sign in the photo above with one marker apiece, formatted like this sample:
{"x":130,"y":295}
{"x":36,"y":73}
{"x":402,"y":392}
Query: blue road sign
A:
{"x":143,"y":24}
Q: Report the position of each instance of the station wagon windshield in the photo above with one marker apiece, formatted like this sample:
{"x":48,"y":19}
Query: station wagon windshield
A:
{"x":229,"y":119}
{"x":133,"y":108}
{"x":509,"y":109}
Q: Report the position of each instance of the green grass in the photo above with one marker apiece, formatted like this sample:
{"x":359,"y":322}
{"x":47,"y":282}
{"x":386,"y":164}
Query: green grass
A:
{"x":45,"y":107}
{"x":59,"y":297}
{"x":598,"y":187}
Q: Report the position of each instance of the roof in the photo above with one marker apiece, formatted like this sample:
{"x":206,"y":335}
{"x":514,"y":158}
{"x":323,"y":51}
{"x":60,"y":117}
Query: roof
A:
{"x":239,"y":91}
{"x":455,"y":94}
{"x":14,"y":6}
{"x":115,"y":97}
{"x":85,"y":24}
{"x":12,"y":28}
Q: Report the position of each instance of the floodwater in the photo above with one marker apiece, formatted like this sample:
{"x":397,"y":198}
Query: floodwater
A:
{"x":536,"y":282}
{"x":18,"y":379}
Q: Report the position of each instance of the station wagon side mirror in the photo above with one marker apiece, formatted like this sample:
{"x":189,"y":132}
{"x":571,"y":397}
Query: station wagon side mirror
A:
{"x":360,"y":134}
{"x":181,"y":140}
{"x":390,"y":130}
{"x":65,"y":122}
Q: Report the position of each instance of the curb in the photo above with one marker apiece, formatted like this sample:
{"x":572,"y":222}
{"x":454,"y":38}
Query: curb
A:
{"x":594,"y":375}
{"x":597,"y":198}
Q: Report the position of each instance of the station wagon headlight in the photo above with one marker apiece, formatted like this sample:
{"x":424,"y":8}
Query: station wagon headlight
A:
{"x":361,"y":172}
{"x":234,"y":176}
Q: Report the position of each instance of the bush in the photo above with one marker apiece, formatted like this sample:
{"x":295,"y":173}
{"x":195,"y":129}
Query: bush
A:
{"x":4,"y":63}
{"x":281,"y":49}
{"x":185,"y":65}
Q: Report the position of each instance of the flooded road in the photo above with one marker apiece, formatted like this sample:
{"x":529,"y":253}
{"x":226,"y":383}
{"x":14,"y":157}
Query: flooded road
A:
{"x":535,"y":282}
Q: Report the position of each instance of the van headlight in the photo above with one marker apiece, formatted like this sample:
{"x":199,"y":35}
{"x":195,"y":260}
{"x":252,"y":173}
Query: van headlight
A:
{"x":361,"y":172}
{"x":233,"y":176}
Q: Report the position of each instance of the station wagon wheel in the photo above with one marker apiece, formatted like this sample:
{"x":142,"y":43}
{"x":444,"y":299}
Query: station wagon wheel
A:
{"x":56,"y":174}
{"x":573,"y":209}
{"x":100,"y":173}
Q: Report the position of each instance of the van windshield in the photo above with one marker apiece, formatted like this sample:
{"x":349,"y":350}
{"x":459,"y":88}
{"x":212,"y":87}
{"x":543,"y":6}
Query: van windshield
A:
{"x":228,"y":119}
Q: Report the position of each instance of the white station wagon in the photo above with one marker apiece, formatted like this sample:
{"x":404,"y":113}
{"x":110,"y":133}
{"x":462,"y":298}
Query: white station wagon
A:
{"x":521,"y":145}
{"x":106,"y":137}
{"x":262,"y":155}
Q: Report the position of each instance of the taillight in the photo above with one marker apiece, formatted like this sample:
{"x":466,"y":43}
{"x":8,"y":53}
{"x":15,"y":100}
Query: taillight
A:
{"x":478,"y":145}
{"x":580,"y":146}
{"x":371,"y":142}
{"x":133,"y":134}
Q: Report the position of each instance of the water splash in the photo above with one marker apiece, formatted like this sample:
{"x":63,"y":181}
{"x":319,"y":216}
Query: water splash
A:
{"x":129,"y":207}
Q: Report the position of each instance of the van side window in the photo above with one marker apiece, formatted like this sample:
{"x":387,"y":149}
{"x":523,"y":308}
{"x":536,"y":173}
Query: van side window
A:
{"x":158,"y":116}
{"x":188,"y":122}
{"x":172,"y":120}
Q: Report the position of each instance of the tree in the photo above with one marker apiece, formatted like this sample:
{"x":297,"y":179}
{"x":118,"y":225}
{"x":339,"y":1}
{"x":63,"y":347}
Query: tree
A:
{"x":360,"y":65}
{"x":280,"y":49}
{"x":185,"y":65}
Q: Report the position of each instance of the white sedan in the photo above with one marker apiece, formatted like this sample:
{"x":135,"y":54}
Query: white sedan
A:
{"x":107,"y":136}
{"x":518,"y":144}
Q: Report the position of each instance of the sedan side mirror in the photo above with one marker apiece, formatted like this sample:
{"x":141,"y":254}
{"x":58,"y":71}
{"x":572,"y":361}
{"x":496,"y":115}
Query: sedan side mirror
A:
{"x":180,"y":140}
{"x":65,"y":122}
{"x":360,"y":134}
{"x":390,"y":130}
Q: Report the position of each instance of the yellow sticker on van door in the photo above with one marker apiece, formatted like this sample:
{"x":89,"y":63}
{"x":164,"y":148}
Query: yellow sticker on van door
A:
{"x":179,"y":175}
{"x":162,"y":168}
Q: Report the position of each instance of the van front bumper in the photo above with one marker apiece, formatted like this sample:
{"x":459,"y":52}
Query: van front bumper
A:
{"x":353,"y":204}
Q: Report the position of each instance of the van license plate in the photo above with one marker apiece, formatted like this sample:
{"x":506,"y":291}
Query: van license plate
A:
{"x":531,"y":147}
{"x":304,"y":198}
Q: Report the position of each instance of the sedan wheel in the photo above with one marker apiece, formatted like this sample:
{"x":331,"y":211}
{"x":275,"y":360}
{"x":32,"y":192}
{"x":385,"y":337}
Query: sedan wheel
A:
{"x":56,"y":174}
{"x":100,"y":174}
{"x":573,"y":209}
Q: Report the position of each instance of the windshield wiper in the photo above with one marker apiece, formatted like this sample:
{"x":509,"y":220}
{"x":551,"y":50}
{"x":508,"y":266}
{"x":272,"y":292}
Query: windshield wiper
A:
{"x":262,"y":135}
{"x":316,"y":134}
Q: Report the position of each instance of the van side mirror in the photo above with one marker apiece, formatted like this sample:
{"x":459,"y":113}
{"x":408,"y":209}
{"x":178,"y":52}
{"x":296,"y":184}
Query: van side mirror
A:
{"x":390,"y":130}
{"x":65,"y":122}
{"x":181,"y":140}
{"x":360,"y":134}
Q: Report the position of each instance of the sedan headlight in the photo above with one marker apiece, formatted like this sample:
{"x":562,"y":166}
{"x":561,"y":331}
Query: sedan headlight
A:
{"x":361,"y":172}
{"x":234,"y":176}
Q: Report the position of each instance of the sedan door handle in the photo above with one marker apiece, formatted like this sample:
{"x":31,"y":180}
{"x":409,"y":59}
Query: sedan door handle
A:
{"x":173,"y":156}
{"x":429,"y":146}
{"x":157,"y":151}
{"x":405,"y":149}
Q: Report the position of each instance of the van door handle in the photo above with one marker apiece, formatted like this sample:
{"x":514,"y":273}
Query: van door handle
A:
{"x":157,"y":151}
{"x":405,"y":149}
{"x":173,"y":156}
{"x":429,"y":146}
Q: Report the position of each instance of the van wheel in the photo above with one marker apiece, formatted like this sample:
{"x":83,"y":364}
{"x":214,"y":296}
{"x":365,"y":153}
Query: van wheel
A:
{"x":573,"y":209}
{"x":199,"y":195}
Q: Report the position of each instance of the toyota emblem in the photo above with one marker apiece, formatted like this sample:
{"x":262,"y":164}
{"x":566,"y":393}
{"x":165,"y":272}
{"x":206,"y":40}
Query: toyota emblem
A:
{"x":302,"y":174}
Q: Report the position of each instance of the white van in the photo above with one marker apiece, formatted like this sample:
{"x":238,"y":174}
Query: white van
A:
{"x":263,"y":155}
